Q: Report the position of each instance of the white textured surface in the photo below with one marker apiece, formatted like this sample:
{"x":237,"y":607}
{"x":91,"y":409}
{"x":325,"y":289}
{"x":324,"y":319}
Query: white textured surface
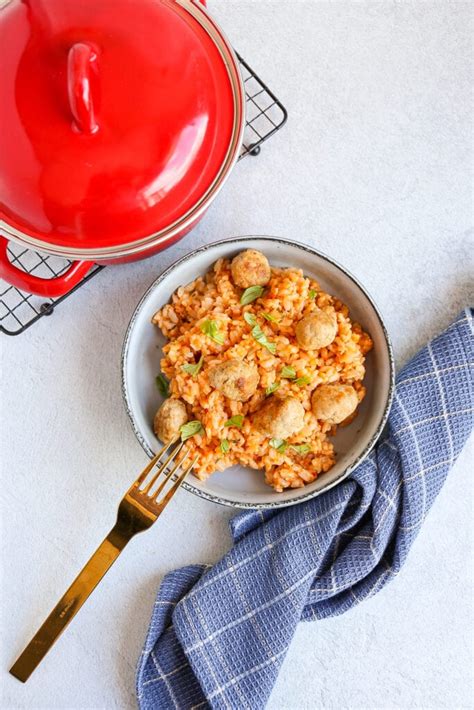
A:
{"x":375,"y":168}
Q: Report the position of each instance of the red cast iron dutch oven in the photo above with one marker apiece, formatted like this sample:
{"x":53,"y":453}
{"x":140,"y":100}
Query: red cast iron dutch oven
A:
{"x":121,"y":119}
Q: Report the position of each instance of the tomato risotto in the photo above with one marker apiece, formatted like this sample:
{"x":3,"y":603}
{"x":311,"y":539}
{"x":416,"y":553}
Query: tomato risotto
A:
{"x":261,"y":367}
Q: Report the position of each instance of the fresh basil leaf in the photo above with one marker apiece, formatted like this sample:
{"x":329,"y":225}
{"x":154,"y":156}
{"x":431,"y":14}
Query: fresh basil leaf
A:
{"x":302,"y":381}
{"x":210,"y":328}
{"x":269,"y":317}
{"x":193,"y":369}
{"x":301,"y":449}
{"x":237,"y":421}
{"x":288,"y":373}
{"x":261,"y":338}
{"x":272,"y":388}
{"x":163,"y":385}
{"x":278,"y":444}
{"x":190,"y":429}
{"x":250,"y":318}
{"x":250,"y":294}
{"x":225,"y":446}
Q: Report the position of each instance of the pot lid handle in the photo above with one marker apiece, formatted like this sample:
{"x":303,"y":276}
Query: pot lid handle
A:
{"x":81,"y":67}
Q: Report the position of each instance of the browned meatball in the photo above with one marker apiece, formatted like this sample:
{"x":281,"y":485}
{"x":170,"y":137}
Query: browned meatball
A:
{"x":250,"y":268}
{"x":280,"y":418}
{"x":168,"y":420}
{"x":333,"y":403}
{"x":316,"y":330}
{"x":236,"y":380}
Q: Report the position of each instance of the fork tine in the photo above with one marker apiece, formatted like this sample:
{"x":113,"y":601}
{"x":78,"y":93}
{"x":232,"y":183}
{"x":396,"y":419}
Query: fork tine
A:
{"x":169,"y":475}
{"x":174,"y":452}
{"x":150,"y":465}
{"x":176,"y":484}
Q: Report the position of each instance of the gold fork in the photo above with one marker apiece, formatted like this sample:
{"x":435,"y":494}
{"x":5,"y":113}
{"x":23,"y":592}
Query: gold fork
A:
{"x":137,"y":511}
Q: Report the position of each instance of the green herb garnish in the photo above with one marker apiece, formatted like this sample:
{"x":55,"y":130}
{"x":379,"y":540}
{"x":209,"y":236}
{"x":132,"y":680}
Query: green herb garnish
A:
{"x":288,"y":373}
{"x":301,"y":449}
{"x":225,"y":446}
{"x":312,"y":293}
{"x":193,"y":369}
{"x":250,"y":318}
{"x":272,"y":388}
{"x":163,"y":385}
{"x":261,"y":338}
{"x":237,"y":421}
{"x":210,"y":328}
{"x":190,"y":429}
{"x":268,"y":316}
{"x":250,"y":294}
{"x":301,"y":381}
{"x":278,"y":444}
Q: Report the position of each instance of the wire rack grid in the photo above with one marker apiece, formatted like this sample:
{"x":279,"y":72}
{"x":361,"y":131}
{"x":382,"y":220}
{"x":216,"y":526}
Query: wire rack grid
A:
{"x":265,"y":115}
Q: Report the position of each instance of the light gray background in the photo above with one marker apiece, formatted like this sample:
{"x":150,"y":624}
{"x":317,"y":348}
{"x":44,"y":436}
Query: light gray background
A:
{"x":374,"y":168}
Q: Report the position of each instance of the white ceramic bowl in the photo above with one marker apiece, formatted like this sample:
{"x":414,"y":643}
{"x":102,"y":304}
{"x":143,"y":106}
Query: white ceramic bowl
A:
{"x":238,"y":486}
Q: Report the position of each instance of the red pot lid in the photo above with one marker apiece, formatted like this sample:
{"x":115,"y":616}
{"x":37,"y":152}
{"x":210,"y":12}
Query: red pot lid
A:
{"x":119,"y":118}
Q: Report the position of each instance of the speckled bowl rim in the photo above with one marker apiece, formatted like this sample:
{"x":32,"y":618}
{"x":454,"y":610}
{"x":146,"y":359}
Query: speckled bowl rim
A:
{"x":304,"y":496}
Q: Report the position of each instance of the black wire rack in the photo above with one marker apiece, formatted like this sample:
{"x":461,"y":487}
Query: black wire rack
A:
{"x":265,"y":115}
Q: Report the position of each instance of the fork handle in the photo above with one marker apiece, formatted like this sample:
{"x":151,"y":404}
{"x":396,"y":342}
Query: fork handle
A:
{"x":68,"y":606}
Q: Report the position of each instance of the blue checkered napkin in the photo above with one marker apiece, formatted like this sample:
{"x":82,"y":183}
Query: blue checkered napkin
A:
{"x":218,"y":635}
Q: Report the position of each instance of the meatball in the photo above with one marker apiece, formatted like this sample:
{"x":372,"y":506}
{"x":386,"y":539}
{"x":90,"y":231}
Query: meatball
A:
{"x":333,"y":403}
{"x":168,"y":420}
{"x":280,"y":418}
{"x":316,"y":330}
{"x":236,"y":380}
{"x":250,"y":268}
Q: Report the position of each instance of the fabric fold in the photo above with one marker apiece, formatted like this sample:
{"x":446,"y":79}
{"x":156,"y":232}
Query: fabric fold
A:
{"x":218,"y":635}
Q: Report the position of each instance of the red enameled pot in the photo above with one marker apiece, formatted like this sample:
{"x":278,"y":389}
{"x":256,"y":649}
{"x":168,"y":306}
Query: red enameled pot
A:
{"x":121,"y":120}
